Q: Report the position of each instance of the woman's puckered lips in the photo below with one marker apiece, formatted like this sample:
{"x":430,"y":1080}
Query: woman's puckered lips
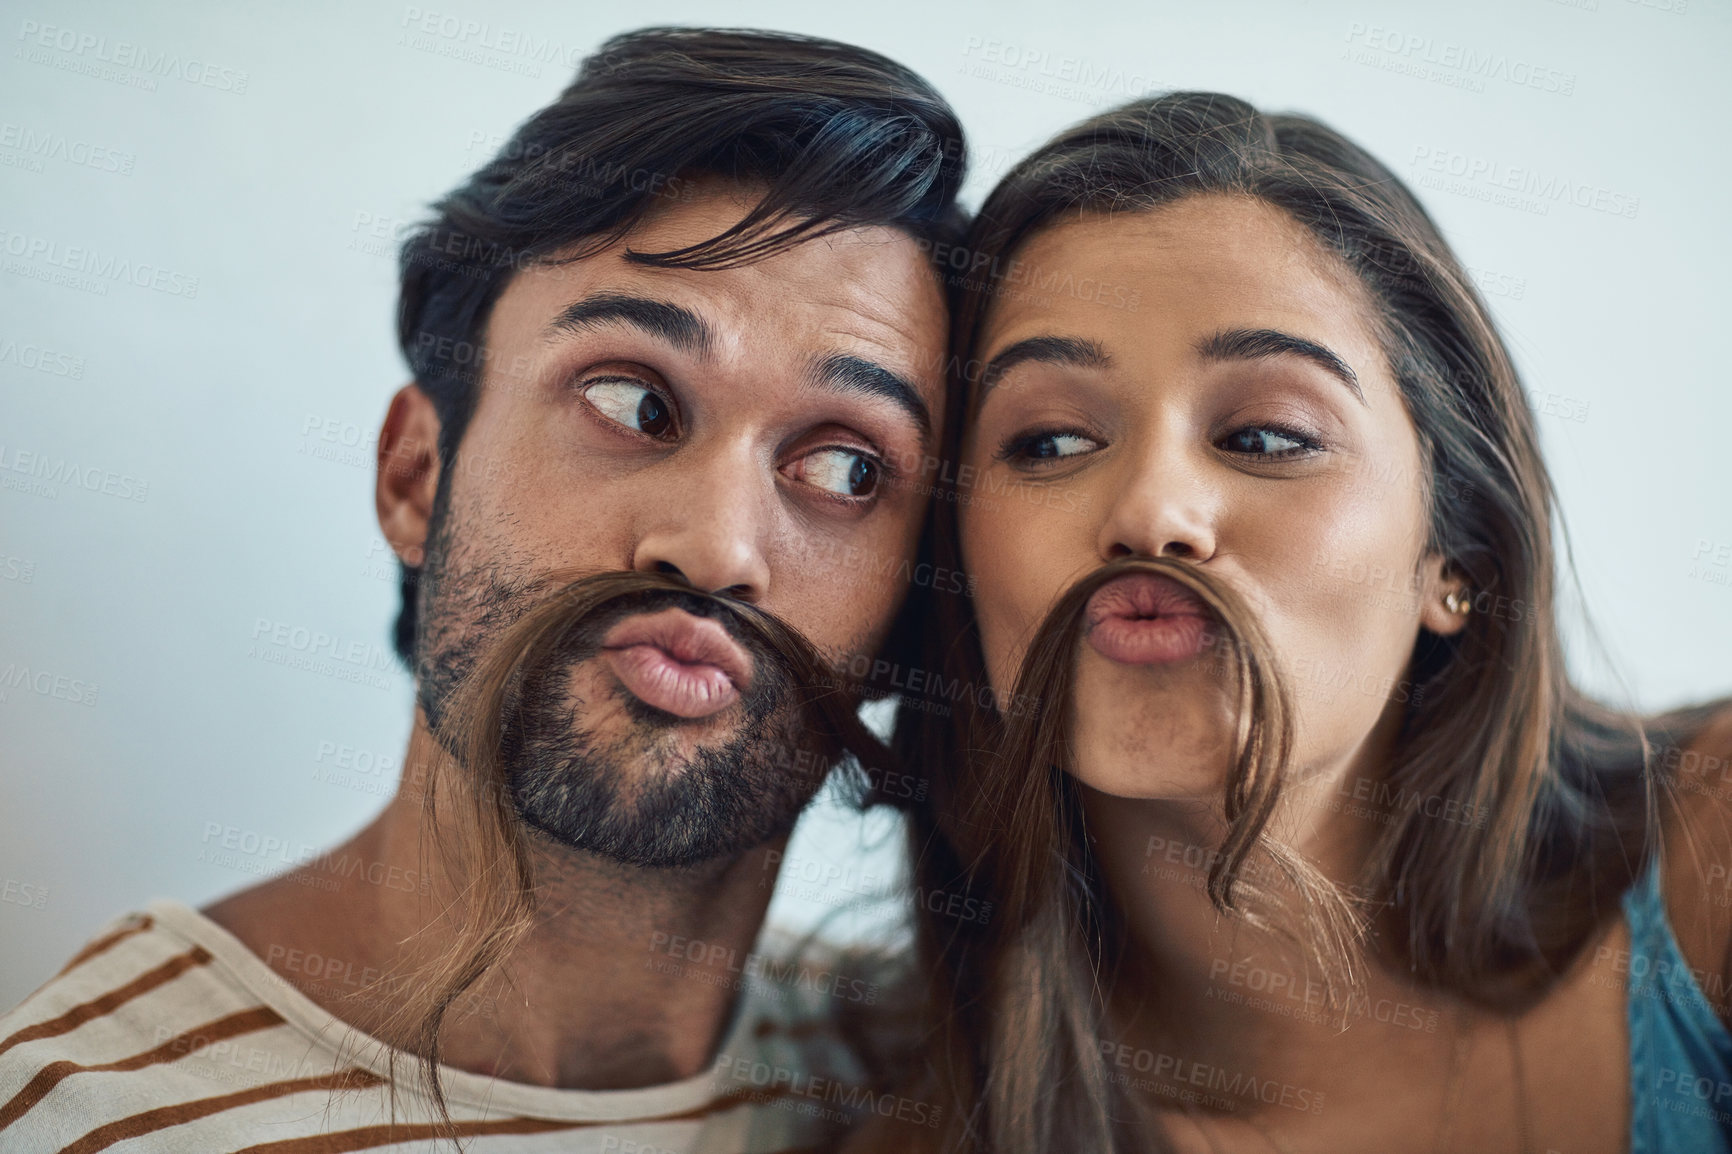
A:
{"x":1146,"y":619}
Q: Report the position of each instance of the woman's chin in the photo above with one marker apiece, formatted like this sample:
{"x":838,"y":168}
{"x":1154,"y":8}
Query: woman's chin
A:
{"x":1144,"y":777}
{"x":1161,"y":732}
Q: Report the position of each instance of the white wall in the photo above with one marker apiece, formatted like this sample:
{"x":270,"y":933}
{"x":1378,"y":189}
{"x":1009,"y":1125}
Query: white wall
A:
{"x":205,"y":415}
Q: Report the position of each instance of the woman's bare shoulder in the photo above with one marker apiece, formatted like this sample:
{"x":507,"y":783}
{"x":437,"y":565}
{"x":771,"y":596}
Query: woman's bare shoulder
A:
{"x":1697,"y":853}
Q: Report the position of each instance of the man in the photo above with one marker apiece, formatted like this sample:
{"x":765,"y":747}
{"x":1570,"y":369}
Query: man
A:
{"x":675,"y":350}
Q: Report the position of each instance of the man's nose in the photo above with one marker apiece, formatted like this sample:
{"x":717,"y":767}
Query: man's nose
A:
{"x":708,"y":523}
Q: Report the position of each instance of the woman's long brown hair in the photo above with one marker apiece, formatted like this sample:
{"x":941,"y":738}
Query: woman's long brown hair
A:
{"x":1490,"y":912}
{"x":1016,"y":817}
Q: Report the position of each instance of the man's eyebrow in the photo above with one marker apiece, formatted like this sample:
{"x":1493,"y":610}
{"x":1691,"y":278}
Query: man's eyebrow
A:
{"x":675,"y":324}
{"x":846,"y":373}
{"x":1074,"y":352}
{"x":1258,"y":344}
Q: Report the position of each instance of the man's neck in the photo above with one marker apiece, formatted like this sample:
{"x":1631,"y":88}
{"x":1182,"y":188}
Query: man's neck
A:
{"x":627,"y":977}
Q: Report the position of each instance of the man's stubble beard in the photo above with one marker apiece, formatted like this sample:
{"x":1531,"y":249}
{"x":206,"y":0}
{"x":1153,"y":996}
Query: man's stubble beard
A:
{"x":637,"y":798}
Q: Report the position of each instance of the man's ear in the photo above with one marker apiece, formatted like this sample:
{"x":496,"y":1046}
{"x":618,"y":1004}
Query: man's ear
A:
{"x":1438,"y":580}
{"x":408,"y":473}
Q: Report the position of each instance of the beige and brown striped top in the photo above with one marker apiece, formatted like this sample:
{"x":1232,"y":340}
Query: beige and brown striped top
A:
{"x":167,"y":1034}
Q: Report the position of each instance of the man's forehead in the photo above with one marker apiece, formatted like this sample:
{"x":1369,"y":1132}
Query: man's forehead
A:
{"x":868,"y":287}
{"x":883,"y":278}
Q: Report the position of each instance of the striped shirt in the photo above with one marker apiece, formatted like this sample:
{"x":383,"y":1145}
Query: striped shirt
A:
{"x":167,"y":1034}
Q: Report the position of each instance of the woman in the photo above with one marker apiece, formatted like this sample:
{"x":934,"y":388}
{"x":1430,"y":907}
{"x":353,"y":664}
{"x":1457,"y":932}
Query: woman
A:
{"x":1298,"y":837}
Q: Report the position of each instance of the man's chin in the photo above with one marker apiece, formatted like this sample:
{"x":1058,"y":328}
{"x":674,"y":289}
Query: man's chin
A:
{"x":652,"y":828}
{"x":659,"y":795}
{"x":661,"y":759}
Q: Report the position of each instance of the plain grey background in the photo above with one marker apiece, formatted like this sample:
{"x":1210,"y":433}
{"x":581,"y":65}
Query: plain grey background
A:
{"x":186,"y":432}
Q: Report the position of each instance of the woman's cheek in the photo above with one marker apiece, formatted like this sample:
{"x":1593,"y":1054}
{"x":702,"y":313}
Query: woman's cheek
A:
{"x":1344,"y":645}
{"x":998,"y":634}
{"x":1023,"y":548}
{"x":986,"y":547}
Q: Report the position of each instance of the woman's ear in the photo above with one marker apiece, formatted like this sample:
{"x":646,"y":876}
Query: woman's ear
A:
{"x":1444,"y":597}
{"x":408,"y":473}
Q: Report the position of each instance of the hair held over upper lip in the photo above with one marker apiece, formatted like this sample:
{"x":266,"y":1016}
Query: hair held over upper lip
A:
{"x":1243,"y":654}
{"x":493,"y":863}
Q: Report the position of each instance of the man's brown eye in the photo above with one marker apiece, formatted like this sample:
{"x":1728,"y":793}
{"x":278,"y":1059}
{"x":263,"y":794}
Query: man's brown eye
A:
{"x":652,"y":415}
{"x":632,"y":405}
{"x":863,"y":477}
{"x":845,"y":472}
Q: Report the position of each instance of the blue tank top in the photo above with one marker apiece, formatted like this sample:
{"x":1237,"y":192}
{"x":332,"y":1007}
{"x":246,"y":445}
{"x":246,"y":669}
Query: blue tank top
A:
{"x":1680,"y":1051}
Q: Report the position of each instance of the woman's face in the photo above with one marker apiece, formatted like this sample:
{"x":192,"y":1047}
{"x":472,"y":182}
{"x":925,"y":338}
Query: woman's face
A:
{"x":1240,"y":417}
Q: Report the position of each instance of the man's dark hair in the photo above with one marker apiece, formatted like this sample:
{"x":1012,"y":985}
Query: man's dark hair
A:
{"x":840,"y":137}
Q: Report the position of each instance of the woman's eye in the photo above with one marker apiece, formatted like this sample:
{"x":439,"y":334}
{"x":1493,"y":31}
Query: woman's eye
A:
{"x":845,"y":472}
{"x":1266,"y":442}
{"x":1050,"y":446}
{"x":632,"y":405}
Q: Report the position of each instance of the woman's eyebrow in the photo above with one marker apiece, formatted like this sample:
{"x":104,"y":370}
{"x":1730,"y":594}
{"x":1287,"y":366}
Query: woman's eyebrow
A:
{"x":1261,"y":344}
{"x":1074,"y":352}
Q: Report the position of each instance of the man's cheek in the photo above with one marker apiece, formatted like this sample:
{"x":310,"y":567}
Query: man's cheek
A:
{"x":579,"y":688}
{"x":842,"y":595}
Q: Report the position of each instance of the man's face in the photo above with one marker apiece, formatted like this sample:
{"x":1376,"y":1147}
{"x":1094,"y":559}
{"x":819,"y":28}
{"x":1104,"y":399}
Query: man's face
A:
{"x":754,"y":431}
